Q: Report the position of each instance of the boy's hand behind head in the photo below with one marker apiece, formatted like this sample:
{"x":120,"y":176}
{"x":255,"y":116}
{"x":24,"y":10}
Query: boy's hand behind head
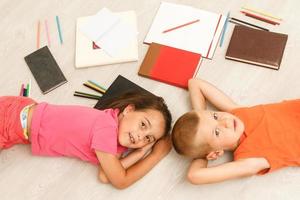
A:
{"x":163,"y":146}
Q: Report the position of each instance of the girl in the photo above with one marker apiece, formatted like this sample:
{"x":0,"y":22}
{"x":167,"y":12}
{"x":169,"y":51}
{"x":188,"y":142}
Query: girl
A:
{"x":134,"y":121}
{"x":263,"y":138}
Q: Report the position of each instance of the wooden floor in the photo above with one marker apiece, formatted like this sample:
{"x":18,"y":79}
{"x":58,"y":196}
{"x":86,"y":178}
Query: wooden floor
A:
{"x":23,"y":176}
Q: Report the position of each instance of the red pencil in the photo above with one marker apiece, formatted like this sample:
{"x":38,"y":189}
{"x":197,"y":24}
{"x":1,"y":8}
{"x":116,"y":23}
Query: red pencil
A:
{"x":182,"y":25}
{"x":260,"y":18}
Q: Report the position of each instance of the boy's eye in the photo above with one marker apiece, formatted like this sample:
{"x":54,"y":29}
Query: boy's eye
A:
{"x":143,"y":124}
{"x":215,"y":115}
{"x":217,"y":132}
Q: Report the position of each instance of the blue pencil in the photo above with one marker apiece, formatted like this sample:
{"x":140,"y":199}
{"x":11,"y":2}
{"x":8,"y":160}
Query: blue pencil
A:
{"x":59,"y":29}
{"x":224,"y":29}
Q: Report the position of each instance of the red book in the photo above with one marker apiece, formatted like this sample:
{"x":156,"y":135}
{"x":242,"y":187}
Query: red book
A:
{"x":170,"y":65}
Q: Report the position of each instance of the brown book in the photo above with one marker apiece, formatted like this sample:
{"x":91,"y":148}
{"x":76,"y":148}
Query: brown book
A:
{"x":256,"y":47}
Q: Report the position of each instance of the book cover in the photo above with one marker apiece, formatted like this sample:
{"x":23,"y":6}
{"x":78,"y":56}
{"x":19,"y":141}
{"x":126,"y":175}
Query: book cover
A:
{"x":120,"y":86}
{"x":170,"y":65}
{"x":200,"y":37}
{"x":87,"y":55}
{"x":256,"y":47}
{"x":45,"y":69}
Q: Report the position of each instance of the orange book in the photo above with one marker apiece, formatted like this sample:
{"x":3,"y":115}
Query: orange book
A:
{"x":170,"y":65}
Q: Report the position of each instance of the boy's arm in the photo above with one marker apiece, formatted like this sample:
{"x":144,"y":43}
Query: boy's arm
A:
{"x":199,"y":173}
{"x":120,"y":177}
{"x":201,"y":90}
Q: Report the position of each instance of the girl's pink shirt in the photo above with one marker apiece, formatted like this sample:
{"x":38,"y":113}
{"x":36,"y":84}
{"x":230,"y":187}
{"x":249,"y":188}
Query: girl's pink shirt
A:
{"x":74,"y":131}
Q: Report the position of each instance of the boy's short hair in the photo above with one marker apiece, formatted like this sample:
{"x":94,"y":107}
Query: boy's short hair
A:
{"x":184,"y":136}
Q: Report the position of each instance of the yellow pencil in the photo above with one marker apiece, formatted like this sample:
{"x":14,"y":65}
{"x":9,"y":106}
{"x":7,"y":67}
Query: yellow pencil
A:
{"x":262,"y":13}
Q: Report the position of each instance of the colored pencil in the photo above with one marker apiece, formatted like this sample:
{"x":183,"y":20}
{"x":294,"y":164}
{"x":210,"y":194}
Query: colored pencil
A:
{"x":96,"y":84}
{"x":180,"y":26}
{"x":262,"y":13}
{"x":59,"y":30}
{"x":47,"y":33}
{"x":240,"y":22}
{"x":29,"y":88}
{"x":260,"y":18}
{"x":22,"y":90}
{"x":224,"y":29}
{"x":86,"y":95}
{"x":38,"y":34}
{"x":93,"y":87}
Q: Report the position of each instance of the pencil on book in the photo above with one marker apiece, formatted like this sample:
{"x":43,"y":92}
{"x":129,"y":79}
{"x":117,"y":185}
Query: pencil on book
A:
{"x":262,"y":13}
{"x":180,"y":26}
{"x":93,"y":87}
{"x":96,"y":84}
{"x":240,"y":22}
{"x":38,"y":34}
{"x":224,"y":29}
{"x":22,"y":90}
{"x":59,"y":29}
{"x":248,"y":14}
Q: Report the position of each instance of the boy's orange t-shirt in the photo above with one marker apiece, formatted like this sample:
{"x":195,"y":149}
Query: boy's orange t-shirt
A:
{"x":272,"y":131}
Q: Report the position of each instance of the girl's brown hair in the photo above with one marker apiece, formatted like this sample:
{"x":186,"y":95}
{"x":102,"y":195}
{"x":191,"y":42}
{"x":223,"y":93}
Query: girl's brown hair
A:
{"x":143,"y":101}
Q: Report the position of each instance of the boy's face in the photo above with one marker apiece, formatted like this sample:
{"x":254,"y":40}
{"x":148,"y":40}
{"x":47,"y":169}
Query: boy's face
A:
{"x":221,"y":130}
{"x":139,"y":128}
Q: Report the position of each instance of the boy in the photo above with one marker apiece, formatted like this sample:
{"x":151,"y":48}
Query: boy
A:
{"x":264,"y":137}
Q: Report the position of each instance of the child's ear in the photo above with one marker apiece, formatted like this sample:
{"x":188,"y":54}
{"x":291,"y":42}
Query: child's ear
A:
{"x":128,"y":109}
{"x":213,"y":155}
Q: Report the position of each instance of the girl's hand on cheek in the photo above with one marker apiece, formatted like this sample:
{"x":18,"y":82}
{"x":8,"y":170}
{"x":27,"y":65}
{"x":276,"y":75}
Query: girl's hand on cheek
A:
{"x":163,"y":146}
{"x":147,"y":147}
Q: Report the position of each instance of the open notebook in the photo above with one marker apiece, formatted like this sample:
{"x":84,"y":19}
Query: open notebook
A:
{"x":199,"y":37}
{"x":88,"y":56}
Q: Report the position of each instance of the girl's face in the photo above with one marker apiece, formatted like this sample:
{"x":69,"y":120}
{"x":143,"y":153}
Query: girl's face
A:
{"x":139,"y":128}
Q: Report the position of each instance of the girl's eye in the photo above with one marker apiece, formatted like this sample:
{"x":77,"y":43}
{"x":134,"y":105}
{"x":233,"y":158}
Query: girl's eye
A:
{"x":217,"y":132}
{"x":148,"y":138}
{"x":215,"y":115}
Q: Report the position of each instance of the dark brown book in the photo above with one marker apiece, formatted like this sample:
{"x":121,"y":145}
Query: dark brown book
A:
{"x":256,"y":47}
{"x":120,"y":86}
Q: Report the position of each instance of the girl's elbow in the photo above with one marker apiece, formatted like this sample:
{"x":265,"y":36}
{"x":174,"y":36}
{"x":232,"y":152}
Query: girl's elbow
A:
{"x":120,"y":185}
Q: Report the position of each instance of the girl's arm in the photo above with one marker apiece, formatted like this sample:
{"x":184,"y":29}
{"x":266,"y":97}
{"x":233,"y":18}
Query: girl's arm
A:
{"x":201,"y":90}
{"x":128,"y":160}
{"x":121,"y":177}
{"x":199,"y":173}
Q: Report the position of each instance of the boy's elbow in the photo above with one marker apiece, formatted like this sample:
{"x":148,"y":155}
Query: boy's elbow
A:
{"x":196,"y":179}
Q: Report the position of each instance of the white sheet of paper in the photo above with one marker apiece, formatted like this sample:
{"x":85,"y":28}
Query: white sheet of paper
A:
{"x":99,"y":24}
{"x":120,"y":36}
{"x":200,"y":37}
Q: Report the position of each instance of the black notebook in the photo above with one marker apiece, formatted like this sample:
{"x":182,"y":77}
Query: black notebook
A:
{"x":45,"y":69}
{"x":120,"y":86}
